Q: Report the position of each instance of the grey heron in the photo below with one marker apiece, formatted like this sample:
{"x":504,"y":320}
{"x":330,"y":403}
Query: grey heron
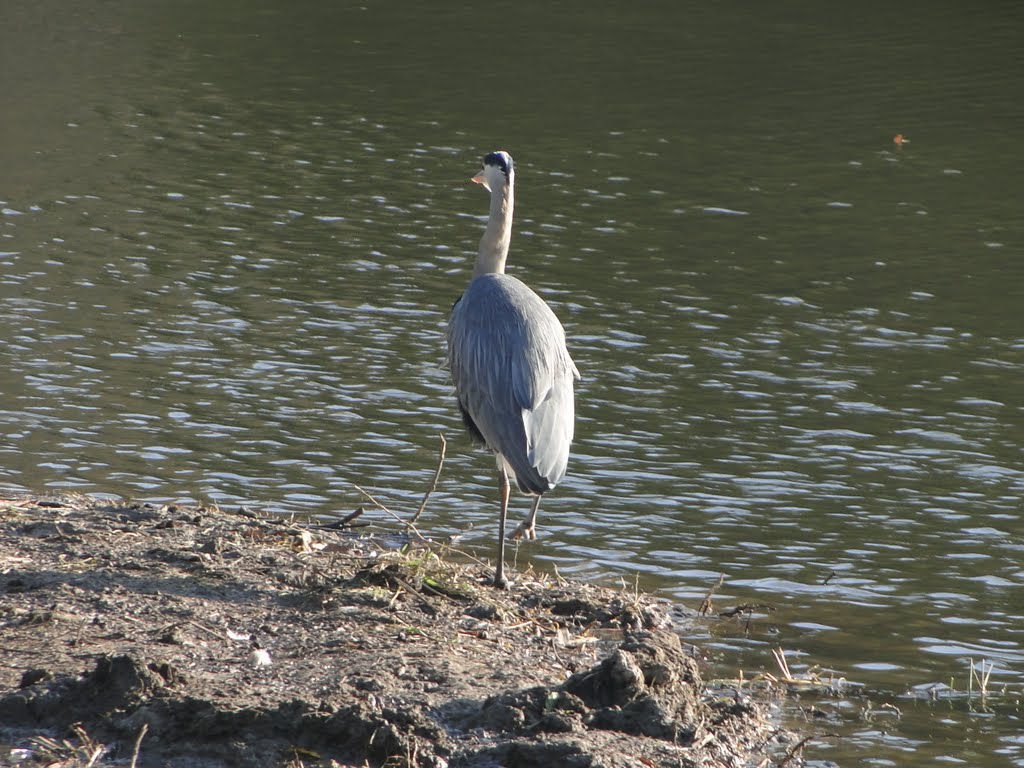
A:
{"x":512,"y":372}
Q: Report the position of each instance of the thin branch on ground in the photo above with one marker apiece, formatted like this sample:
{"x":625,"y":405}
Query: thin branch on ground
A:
{"x":433,"y":483}
{"x":409,"y":526}
{"x":347,"y":519}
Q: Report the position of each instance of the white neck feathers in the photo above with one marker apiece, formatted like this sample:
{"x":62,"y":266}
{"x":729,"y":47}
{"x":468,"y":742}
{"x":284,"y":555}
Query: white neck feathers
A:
{"x":494,"y":244}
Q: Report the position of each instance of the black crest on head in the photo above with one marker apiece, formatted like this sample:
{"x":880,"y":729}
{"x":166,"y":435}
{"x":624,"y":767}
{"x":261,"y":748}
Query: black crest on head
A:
{"x":500,"y":159}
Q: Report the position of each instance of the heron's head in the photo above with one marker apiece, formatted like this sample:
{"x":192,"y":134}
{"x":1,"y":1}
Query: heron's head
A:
{"x":496,"y":171}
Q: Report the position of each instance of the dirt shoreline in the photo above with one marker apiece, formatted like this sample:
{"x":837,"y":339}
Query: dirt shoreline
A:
{"x":136,"y":634}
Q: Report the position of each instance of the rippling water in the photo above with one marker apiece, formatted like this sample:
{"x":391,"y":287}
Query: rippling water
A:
{"x":230,"y":237}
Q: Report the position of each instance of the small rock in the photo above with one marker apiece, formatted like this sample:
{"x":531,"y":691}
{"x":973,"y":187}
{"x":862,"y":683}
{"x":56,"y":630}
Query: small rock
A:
{"x":33,"y":676}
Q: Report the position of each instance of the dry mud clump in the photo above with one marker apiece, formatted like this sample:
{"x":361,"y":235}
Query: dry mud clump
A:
{"x":188,"y":636}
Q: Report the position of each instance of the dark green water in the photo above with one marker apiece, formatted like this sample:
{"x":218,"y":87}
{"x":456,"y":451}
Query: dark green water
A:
{"x":231,"y":233}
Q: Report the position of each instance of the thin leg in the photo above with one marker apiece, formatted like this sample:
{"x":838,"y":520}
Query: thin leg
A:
{"x":503,"y":490}
{"x":528,"y":528}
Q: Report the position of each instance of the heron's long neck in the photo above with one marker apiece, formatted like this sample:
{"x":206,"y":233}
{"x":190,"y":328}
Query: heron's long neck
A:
{"x":494,"y":244}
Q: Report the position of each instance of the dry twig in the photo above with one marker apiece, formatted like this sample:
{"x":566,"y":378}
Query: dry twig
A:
{"x":705,"y":605}
{"x":392,"y":515}
{"x":793,"y":751}
{"x":433,"y":483}
{"x":347,"y":519}
{"x":138,"y":744}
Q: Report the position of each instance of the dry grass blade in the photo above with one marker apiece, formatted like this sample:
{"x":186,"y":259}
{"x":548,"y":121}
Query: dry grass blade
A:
{"x":780,"y":659}
{"x":85,"y":754}
{"x":981,"y":678}
{"x":93,"y":750}
{"x":811,"y":678}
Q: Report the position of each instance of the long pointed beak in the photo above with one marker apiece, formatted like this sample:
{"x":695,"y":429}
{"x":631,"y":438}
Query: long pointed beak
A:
{"x":479,"y":178}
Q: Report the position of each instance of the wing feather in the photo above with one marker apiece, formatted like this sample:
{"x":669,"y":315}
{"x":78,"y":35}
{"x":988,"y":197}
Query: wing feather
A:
{"x":514,"y":377}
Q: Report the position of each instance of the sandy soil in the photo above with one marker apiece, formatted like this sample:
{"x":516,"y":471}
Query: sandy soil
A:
{"x":134,"y":634}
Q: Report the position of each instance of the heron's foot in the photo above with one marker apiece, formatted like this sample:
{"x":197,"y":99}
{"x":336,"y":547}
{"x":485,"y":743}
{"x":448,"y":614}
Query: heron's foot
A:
{"x":500,"y":582}
{"x":523,"y":531}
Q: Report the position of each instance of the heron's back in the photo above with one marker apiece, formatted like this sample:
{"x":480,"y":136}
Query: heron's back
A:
{"x":514,"y":377}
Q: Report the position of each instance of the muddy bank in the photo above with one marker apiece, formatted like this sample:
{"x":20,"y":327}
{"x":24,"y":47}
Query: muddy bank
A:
{"x":187,"y":636}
